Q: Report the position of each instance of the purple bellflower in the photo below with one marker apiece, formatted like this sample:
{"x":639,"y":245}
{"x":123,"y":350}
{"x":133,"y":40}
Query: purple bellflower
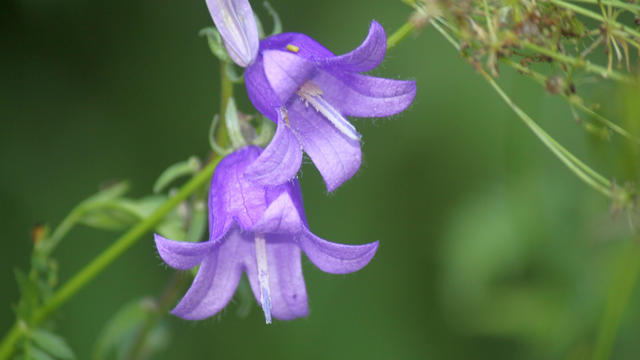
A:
{"x":260,"y":230}
{"x":308,"y":91}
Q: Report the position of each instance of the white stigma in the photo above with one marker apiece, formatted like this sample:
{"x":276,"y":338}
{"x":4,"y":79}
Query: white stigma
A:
{"x":263,"y":276}
{"x":312,"y":94}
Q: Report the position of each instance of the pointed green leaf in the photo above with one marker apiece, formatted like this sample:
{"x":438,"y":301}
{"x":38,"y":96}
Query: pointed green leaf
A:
{"x":52,"y":344}
{"x":120,"y":328}
{"x":33,"y":353}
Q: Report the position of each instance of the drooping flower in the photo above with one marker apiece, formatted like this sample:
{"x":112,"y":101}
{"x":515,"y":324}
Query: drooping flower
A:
{"x":260,"y":230}
{"x":308,"y":91}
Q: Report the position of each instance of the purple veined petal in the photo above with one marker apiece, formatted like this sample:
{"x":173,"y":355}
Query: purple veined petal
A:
{"x":365,"y":96}
{"x":336,"y":258}
{"x":281,"y":217}
{"x":237,"y":26}
{"x":365,"y":57}
{"x":233,"y":197}
{"x":336,"y":156}
{"x":281,"y":160}
{"x":286,"y":72}
{"x":182,"y":255}
{"x":217,"y":278}
{"x":287,"y":288}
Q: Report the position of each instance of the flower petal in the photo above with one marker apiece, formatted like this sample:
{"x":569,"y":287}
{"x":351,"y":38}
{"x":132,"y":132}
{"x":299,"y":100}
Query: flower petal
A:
{"x":182,"y":255}
{"x":336,"y":258}
{"x":237,"y":26}
{"x":286,"y":72}
{"x":365,"y":96}
{"x":365,"y":57}
{"x":232,"y":196}
{"x":259,"y":88}
{"x":280,"y":161}
{"x":336,"y":156}
{"x":217,"y":278}
{"x":281,"y":217}
{"x":288,"y":291}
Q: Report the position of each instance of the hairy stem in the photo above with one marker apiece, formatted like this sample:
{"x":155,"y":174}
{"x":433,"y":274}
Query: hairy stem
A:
{"x":400,"y":34}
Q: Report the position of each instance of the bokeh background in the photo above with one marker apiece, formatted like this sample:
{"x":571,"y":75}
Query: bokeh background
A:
{"x":490,"y":248}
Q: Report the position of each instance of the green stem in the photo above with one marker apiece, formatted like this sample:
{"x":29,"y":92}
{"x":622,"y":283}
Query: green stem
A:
{"x":90,"y":271}
{"x":400,"y":34}
{"x":61,"y":231}
{"x":588,"y":13}
{"x":615,"y":3}
{"x":600,"y":70}
{"x":541,"y":79}
{"x":585,"y":173}
{"x":618,"y":300}
{"x":226,"y":93}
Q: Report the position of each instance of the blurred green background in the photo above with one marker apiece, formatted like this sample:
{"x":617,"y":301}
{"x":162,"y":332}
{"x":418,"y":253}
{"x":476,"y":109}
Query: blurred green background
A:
{"x":490,"y":248}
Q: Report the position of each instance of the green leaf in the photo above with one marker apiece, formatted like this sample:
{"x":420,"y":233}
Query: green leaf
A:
{"x":119,"y":329}
{"x":176,"y":171}
{"x":29,"y":295}
{"x":118,"y":214}
{"x":110,"y":192}
{"x":52,"y":344}
{"x":33,"y":353}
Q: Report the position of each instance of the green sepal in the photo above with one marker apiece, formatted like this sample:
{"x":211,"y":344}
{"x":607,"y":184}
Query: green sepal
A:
{"x":215,"y":43}
{"x":176,"y":171}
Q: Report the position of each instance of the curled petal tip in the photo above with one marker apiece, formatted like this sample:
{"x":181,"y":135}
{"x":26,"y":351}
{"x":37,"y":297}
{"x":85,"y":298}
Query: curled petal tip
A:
{"x":235,"y":21}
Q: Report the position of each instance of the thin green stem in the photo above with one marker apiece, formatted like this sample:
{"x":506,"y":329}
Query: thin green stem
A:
{"x":400,"y":34}
{"x":615,"y":3}
{"x":226,"y":93}
{"x":619,"y":295}
{"x":91,"y":270}
{"x":597,"y":69}
{"x":585,"y":173}
{"x":49,"y":244}
{"x":588,"y":13}
{"x":541,"y":79}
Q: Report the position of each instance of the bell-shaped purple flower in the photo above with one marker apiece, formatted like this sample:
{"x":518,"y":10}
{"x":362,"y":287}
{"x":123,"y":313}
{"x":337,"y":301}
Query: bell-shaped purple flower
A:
{"x":260,"y":230}
{"x":238,"y":29}
{"x":308,"y":91}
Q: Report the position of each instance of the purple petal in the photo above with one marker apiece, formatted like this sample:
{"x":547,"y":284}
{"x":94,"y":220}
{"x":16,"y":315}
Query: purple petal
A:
{"x":280,"y":161}
{"x":259,"y":90}
{"x":281,"y":217}
{"x":365,"y":57}
{"x":237,"y":26}
{"x":182,"y":255}
{"x":365,"y":96}
{"x":217,"y":278}
{"x":288,"y":291}
{"x":286,"y":72}
{"x":336,"y":156}
{"x":336,"y":258}
{"x":232,"y":196}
